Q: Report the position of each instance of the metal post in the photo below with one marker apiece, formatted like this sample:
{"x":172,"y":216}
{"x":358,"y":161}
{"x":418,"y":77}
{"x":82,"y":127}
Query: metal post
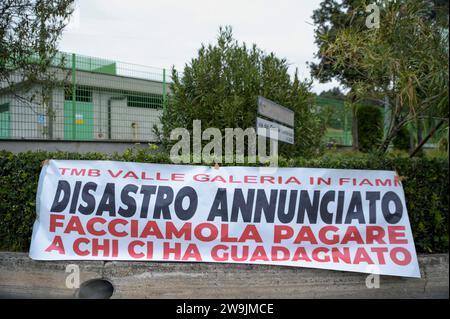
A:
{"x":386,"y":117}
{"x":346,"y":137}
{"x":73,"y":95}
{"x":50,"y":113}
{"x":164,"y":89}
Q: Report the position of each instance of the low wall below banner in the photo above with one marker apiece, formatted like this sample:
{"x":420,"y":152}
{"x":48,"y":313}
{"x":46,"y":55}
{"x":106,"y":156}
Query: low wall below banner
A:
{"x":106,"y":147}
{"x":21,"y":277}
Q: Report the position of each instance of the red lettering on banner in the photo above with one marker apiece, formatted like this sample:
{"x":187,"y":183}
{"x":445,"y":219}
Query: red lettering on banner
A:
{"x":361,"y":255}
{"x":184,"y":232}
{"x":305,"y":234}
{"x":225,"y":236}
{"x":98,"y":247}
{"x":316,"y":257}
{"x":113,"y":230}
{"x":131,"y":174}
{"x":111,"y":173}
{"x":56,"y":245}
{"x":259,"y":254}
{"x":91,"y":229}
{"x":192,"y":252}
{"x":283,"y":250}
{"x":250,"y":179}
{"x":139,"y":255}
{"x":168,"y":251}
{"x":293,"y":180}
{"x":76,"y":246}
{"x":250,"y":233}
{"x":282,"y":232}
{"x":323,"y":238}
{"x":406,"y":254}
{"x":380,"y":251}
{"x":339,"y":256}
{"x":300,"y":254}
{"x":352,"y":234}
{"x":215,"y":253}
{"x":213,"y":232}
{"x":151,"y":229}
{"x":131,"y":249}
{"x":54,"y":222}
{"x":74,"y":225}
{"x":375,"y":234}
{"x":397,"y":235}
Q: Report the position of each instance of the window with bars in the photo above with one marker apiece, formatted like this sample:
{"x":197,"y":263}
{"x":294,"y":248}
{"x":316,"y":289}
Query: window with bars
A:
{"x":145,"y":100}
{"x":82,"y":94}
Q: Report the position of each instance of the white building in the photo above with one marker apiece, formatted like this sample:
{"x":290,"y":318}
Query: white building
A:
{"x":95,"y":100}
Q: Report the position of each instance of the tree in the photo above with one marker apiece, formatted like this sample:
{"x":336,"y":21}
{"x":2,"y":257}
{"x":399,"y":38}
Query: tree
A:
{"x":221,"y":85}
{"x":405,"y":61}
{"x":334,"y":93}
{"x":29,"y":31}
{"x":329,"y":19}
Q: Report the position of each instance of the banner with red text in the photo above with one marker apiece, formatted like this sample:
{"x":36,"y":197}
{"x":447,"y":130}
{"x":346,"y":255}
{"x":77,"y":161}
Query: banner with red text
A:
{"x":350,"y":220}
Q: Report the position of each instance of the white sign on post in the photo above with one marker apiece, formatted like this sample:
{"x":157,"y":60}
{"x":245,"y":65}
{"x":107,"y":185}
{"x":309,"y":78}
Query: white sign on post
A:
{"x":349,"y":220}
{"x":278,"y":114}
{"x":275,"y":111}
{"x":285,"y":134}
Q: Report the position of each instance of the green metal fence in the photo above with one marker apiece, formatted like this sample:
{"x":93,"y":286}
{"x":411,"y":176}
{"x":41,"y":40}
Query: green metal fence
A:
{"x":100,"y":99}
{"x":89,"y":99}
{"x":338,"y":120}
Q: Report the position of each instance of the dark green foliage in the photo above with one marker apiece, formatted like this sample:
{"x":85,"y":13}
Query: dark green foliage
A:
{"x":403,"y":139}
{"x":425,"y":185}
{"x":221,"y":85}
{"x":334,"y":93}
{"x":29,"y":34}
{"x":370,"y":127}
{"x":331,"y":17}
{"x":405,"y":62}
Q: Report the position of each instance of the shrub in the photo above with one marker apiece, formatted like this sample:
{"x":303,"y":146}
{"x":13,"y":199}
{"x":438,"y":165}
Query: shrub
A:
{"x":402,"y":139}
{"x":425,"y":185}
{"x":370,"y":127}
{"x":221,"y":85}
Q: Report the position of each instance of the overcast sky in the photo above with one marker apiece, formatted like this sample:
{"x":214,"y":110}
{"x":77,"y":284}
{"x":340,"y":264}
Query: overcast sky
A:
{"x":162,"y":33}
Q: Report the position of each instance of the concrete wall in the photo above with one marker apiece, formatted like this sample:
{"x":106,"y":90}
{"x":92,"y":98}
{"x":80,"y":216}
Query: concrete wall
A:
{"x":22,"y":277}
{"x":107,"y":147}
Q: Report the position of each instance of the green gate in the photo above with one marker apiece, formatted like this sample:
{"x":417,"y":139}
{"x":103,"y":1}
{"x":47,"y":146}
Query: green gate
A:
{"x":78,"y":123}
{"x":5,"y":122}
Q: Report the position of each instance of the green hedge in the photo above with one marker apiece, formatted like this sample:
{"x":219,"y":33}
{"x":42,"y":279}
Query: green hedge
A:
{"x":426,"y":188}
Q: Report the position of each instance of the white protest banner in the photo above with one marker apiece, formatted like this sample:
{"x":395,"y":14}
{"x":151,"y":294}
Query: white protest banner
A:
{"x":351,"y":220}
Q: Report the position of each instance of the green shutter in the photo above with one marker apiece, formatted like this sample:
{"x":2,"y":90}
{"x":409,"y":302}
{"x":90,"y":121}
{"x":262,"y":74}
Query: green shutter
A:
{"x":5,"y":123}
{"x":83,"y":124}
